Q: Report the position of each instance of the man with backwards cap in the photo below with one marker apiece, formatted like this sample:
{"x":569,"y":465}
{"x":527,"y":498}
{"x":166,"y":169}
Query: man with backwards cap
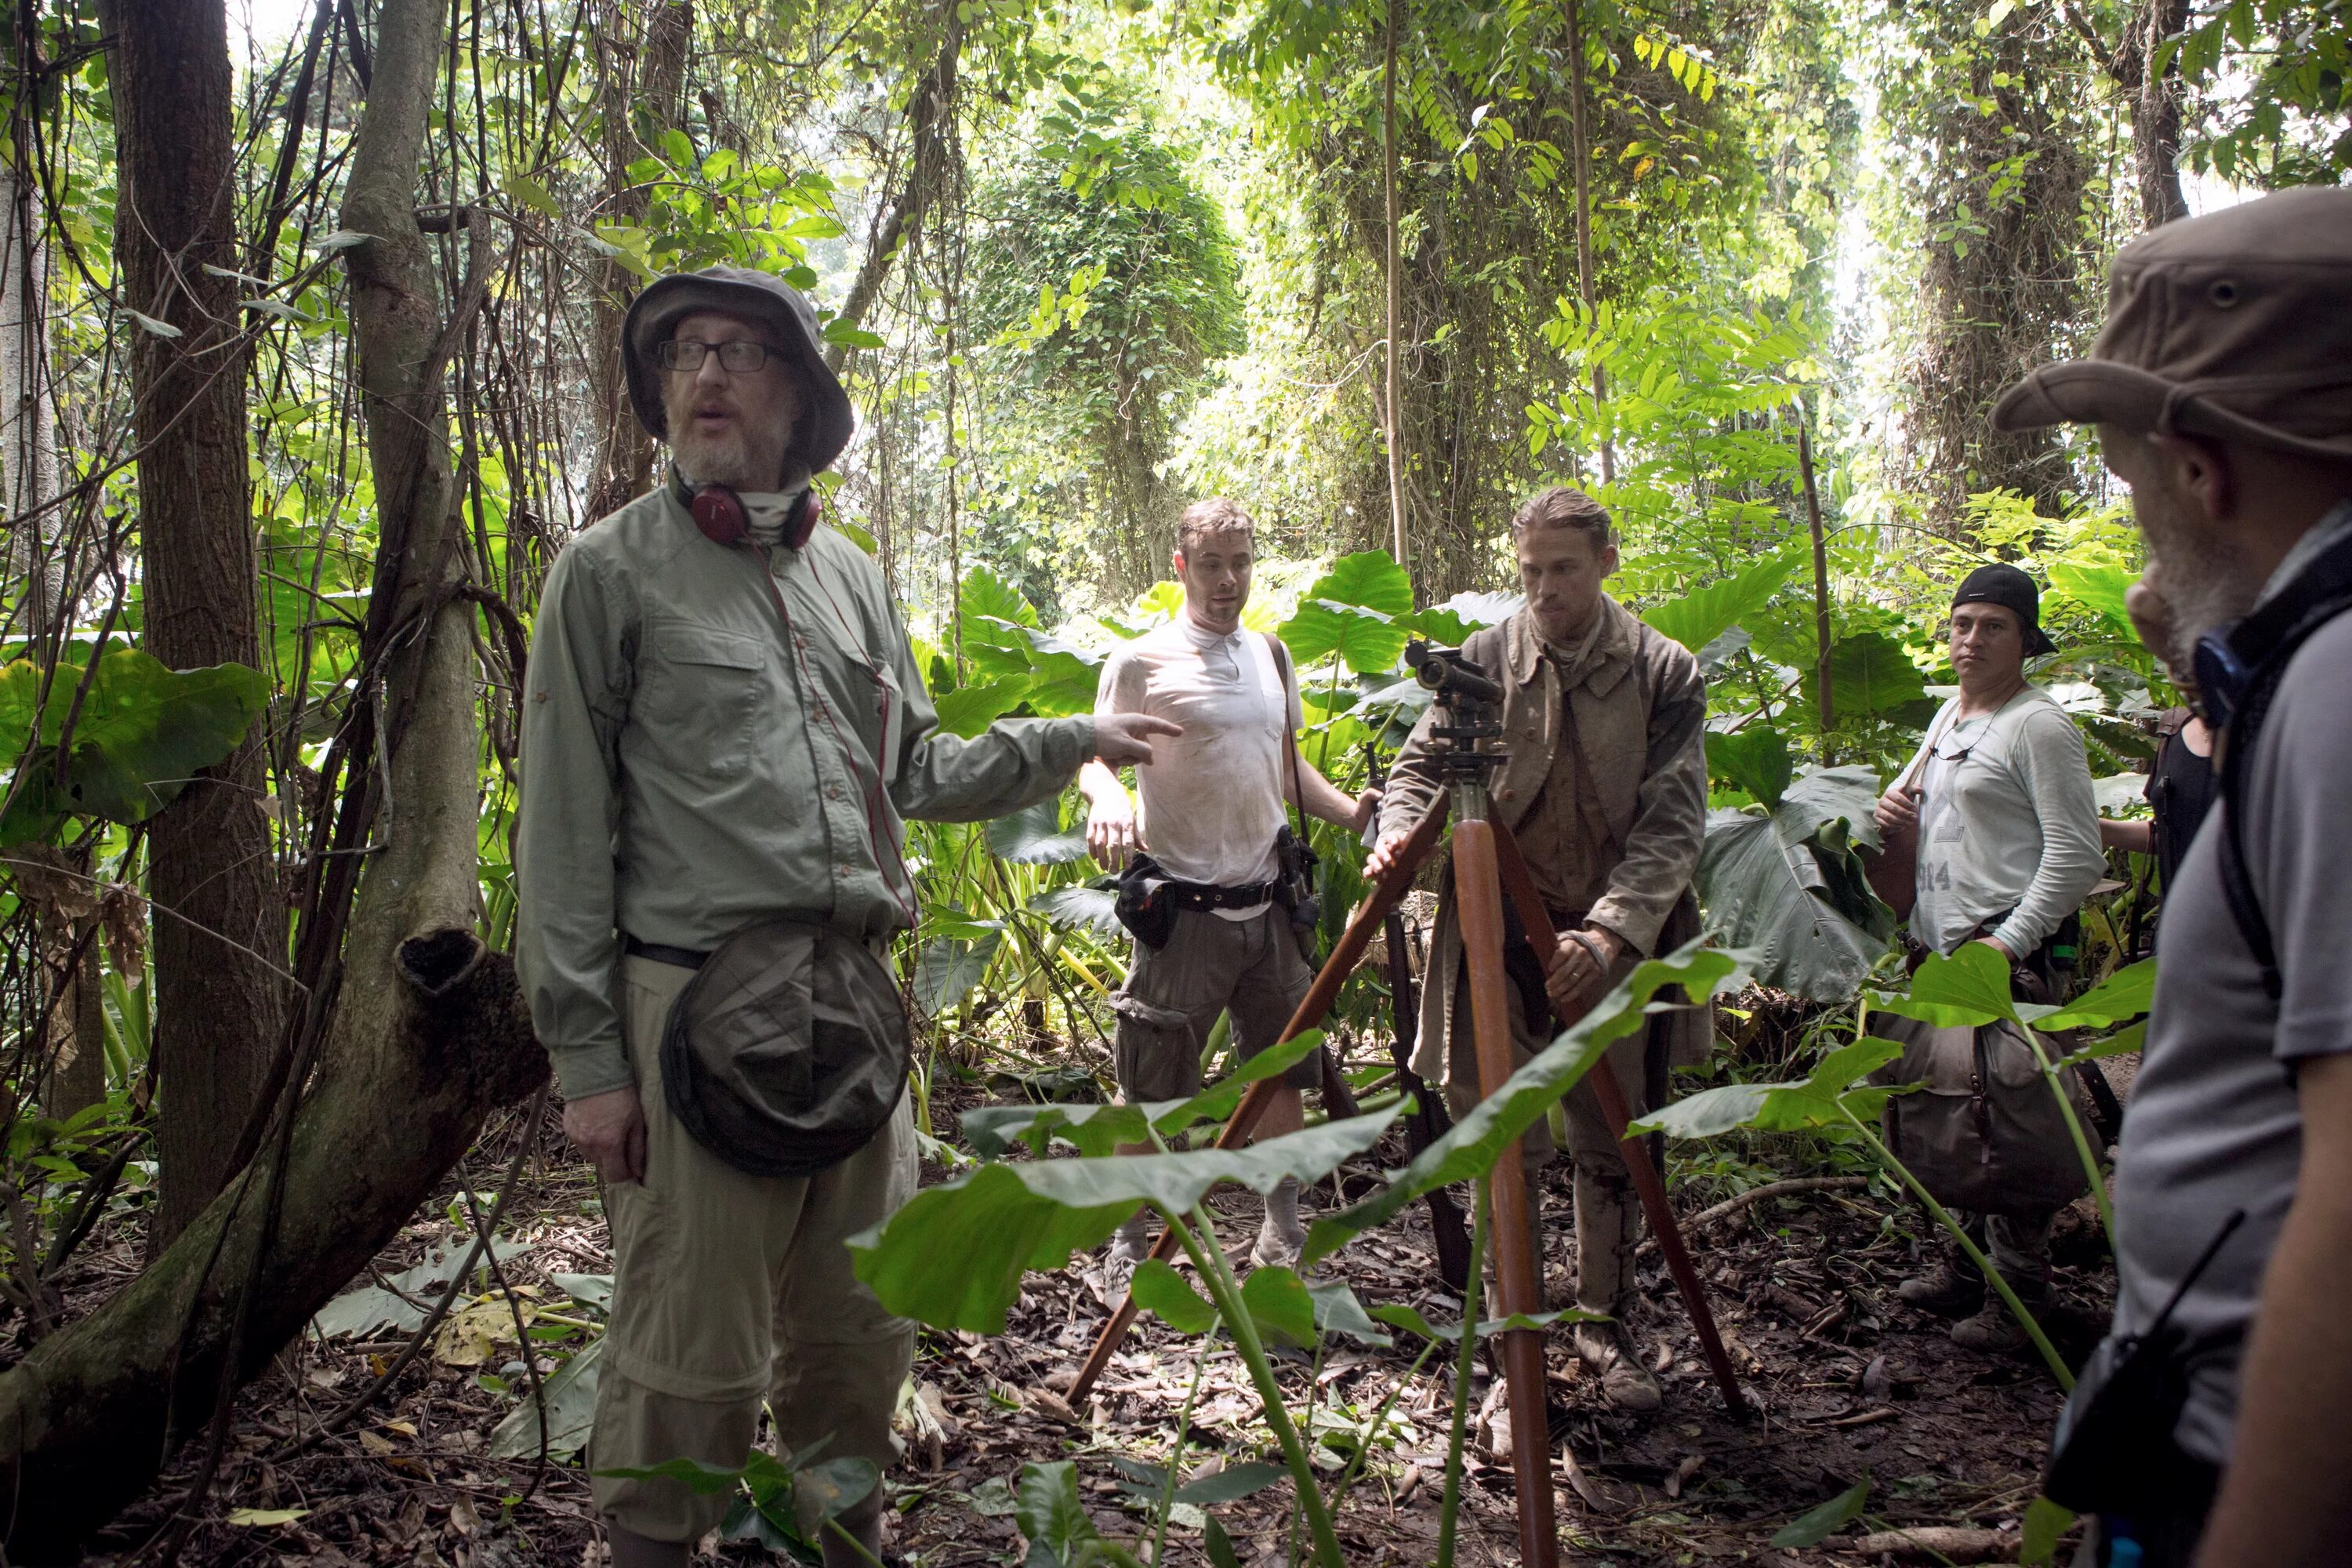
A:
{"x":723,"y":731}
{"x":2007,"y":824}
{"x":2221,"y":387}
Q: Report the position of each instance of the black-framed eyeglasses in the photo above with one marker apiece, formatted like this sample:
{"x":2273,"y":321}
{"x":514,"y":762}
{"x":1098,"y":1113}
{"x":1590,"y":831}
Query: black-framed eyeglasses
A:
{"x":737,"y":356}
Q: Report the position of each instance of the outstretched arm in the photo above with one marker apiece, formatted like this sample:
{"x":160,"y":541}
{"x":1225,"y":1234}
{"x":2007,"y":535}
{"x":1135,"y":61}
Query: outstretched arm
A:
{"x":1327,"y":801}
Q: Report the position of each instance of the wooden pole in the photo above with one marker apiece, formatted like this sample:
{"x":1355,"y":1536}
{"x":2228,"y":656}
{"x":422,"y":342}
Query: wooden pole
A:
{"x":1518,"y":1285}
{"x":1821,"y":577}
{"x":1521,"y":888}
{"x":1345,"y":955}
{"x":1389,"y":183}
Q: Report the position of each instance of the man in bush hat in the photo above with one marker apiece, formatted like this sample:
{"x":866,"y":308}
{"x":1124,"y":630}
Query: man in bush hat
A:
{"x":2221,"y":387}
{"x":723,"y":731}
{"x":1999,"y":804}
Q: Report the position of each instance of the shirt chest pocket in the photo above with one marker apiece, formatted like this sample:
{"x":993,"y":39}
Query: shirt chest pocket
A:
{"x":698,"y":694}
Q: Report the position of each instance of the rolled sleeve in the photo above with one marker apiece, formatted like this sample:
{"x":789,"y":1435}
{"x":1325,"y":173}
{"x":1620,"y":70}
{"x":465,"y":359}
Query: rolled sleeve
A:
{"x":577,"y":689}
{"x":2052,"y":766}
{"x":1015,"y":763}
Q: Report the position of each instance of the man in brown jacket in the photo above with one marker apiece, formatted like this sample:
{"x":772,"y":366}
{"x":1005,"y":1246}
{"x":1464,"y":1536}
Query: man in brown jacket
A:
{"x":1605,"y":790}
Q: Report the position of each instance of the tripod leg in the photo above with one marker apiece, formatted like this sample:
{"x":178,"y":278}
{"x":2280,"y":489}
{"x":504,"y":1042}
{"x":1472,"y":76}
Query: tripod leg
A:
{"x":1345,"y":955}
{"x":1521,"y":888}
{"x":1518,"y":1285}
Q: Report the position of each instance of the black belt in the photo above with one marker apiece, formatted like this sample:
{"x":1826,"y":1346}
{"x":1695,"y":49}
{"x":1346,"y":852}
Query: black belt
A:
{"x":1209,"y":896}
{"x":684,"y":957}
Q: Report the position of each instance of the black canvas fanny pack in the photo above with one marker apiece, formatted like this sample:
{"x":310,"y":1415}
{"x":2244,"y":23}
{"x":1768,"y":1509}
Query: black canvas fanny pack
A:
{"x":788,"y":1050}
{"x":2114,"y":1452}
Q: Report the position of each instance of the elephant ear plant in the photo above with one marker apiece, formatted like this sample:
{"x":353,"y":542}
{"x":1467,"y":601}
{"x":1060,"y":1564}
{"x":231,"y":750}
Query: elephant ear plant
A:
{"x":954,"y":1256}
{"x":1971,"y":988}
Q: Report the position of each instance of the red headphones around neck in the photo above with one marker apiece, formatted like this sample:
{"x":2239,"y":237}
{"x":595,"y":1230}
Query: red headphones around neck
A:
{"x":718,"y":512}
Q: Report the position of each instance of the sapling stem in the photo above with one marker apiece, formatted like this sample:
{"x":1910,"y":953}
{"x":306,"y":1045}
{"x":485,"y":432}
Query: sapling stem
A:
{"x":1450,"y":1509}
{"x":2025,"y":1319}
{"x":1176,"y":1456}
{"x":1209,"y":1259}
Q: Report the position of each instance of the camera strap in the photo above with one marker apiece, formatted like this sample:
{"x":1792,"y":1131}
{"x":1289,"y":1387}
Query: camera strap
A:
{"x":1289,"y":731}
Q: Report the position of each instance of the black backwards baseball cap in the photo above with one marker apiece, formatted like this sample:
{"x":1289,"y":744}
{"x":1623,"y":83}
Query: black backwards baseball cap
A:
{"x":2000,"y":584}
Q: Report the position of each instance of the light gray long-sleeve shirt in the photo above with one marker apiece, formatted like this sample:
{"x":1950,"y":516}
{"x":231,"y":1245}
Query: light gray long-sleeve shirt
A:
{"x":692,"y":763}
{"x":2009,"y":825}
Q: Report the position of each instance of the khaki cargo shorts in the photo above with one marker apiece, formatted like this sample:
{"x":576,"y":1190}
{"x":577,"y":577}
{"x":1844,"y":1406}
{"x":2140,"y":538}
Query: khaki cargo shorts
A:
{"x":1210,"y":964}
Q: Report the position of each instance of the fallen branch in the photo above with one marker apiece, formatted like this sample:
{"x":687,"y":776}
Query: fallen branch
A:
{"x":1779,"y":1189}
{"x":1935,"y":1543}
{"x":90,"y":1417}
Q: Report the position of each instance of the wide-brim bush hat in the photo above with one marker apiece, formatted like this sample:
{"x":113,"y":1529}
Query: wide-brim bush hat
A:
{"x":826,"y":418}
{"x":2236,"y":326}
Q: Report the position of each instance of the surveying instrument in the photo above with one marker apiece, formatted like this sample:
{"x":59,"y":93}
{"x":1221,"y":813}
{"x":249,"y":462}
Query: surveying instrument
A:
{"x":1488,"y":869}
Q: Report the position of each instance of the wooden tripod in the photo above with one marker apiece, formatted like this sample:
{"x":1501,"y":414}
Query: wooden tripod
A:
{"x":1488,"y":868}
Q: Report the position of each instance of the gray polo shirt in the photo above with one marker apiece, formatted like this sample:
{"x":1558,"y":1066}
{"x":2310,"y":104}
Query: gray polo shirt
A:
{"x":2214,"y":1123}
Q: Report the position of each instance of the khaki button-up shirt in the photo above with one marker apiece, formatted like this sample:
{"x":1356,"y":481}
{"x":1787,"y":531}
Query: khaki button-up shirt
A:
{"x":692,"y":762}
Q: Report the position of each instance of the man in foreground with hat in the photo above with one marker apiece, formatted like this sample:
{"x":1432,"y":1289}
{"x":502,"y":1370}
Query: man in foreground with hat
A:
{"x":1999,"y":804}
{"x":723,"y":731}
{"x":2221,"y":387}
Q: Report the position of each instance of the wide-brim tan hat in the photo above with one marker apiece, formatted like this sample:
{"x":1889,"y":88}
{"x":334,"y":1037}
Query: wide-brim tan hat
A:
{"x":827,"y":420}
{"x":2236,"y":326}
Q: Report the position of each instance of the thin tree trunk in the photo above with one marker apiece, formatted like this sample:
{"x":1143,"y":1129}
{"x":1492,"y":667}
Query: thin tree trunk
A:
{"x":2155,"y":114}
{"x":1389,"y":193}
{"x":27,"y":412}
{"x":220,"y":937}
{"x":1582,"y":157}
{"x":644,"y":84}
{"x":930,"y":120}
{"x":1821,"y":580}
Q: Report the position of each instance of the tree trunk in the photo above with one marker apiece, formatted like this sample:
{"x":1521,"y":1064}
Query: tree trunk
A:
{"x":1581,"y":151}
{"x":2156,"y":112}
{"x":220,"y":927}
{"x":27,"y":411}
{"x":1389,"y":197}
{"x":930,"y":118}
{"x":643,"y":84}
{"x":430,"y":1031}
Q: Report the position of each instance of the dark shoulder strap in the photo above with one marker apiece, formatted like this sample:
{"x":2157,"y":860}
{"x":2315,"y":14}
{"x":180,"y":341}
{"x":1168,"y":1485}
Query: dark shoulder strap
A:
{"x":1281,"y":652}
{"x":2269,"y":638}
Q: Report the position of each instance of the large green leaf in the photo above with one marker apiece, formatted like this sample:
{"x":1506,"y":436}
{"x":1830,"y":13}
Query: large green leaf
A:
{"x":1280,"y":1307}
{"x":1033,"y":836}
{"x":1051,"y":1514}
{"x":968,"y":709}
{"x":1699,"y":617}
{"x":2128,"y":992}
{"x":1095,"y":1129}
{"x":1970,"y":987}
{"x":1355,"y":611}
{"x":949,"y":967}
{"x":1871,"y":675}
{"x":1161,"y":1291}
{"x":570,"y":1397}
{"x":954,"y":1256}
{"x":2096,"y":587}
{"x":1452,"y":622}
{"x":1754,"y":758}
{"x":1787,"y":887}
{"x":990,"y":611}
{"x":1476,"y":1141}
{"x":1095,"y":909}
{"x":1790,"y":1107}
{"x":143,"y":730}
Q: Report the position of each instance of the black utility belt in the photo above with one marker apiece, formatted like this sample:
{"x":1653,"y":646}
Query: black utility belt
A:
{"x":684,"y":957}
{"x":1209,"y":896}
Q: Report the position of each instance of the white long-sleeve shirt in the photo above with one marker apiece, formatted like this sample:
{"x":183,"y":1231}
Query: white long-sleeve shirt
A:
{"x":2009,"y":825}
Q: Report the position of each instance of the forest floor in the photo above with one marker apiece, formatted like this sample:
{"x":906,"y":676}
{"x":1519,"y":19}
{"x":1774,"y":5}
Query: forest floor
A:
{"x":1849,"y":1383}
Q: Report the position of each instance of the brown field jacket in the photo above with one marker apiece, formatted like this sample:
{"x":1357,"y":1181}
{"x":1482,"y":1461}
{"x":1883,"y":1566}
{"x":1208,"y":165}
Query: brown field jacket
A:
{"x":1641,"y":719}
